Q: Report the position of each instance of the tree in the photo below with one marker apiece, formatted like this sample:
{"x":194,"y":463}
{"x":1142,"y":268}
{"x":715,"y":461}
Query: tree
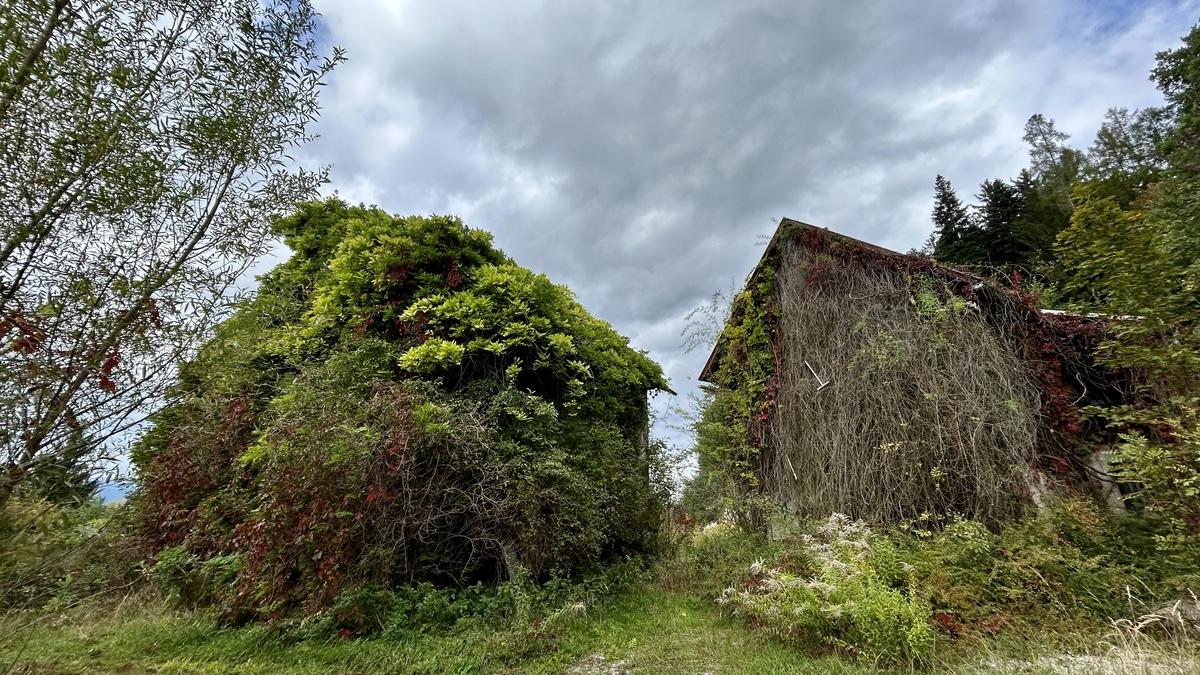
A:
{"x":1041,"y":218}
{"x":1126,"y":156}
{"x":955,"y":238}
{"x":1136,"y":259}
{"x":1105,"y":256}
{"x":143,"y":146}
{"x":1000,"y":204}
{"x":1046,"y":187}
{"x":1178,"y":77}
{"x":1047,"y":145}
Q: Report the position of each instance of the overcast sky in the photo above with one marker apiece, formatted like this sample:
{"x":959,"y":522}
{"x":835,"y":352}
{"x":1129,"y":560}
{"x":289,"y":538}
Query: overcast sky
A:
{"x":639,"y":151}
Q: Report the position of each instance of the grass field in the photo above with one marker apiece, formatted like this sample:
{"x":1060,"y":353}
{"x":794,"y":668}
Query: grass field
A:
{"x":644,"y":630}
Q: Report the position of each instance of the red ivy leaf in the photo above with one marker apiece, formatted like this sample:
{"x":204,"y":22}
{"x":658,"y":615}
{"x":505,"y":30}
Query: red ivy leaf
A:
{"x":155,"y":320}
{"x":454,"y":278}
{"x":26,"y":345}
{"x":110,"y":363}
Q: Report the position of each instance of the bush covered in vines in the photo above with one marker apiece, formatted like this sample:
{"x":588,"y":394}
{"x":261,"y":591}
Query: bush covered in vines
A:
{"x":399,"y":404}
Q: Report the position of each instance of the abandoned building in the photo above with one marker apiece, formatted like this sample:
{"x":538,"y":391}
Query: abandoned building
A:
{"x":889,"y":387}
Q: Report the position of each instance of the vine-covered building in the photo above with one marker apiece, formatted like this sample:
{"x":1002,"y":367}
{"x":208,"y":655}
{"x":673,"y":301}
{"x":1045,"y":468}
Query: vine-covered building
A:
{"x":890,"y":387}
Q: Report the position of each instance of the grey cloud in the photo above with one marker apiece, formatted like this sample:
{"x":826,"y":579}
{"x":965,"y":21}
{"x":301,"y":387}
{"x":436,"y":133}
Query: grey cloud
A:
{"x":637,"y":151}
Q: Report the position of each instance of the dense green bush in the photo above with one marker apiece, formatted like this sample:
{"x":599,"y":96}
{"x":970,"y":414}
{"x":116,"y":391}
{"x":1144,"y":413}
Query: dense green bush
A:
{"x":1069,"y":561}
{"x":829,"y":591}
{"x":192,"y":579}
{"x":516,"y":606}
{"x":399,"y":404}
{"x":1031,"y":568}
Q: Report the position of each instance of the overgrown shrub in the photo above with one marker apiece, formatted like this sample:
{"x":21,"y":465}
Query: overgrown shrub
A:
{"x":1159,"y":457}
{"x":1071,"y":561}
{"x":837,"y":584}
{"x":830,"y":592}
{"x":517,"y":609}
{"x":56,"y":554}
{"x":401,"y":404}
{"x":708,"y":558}
{"x":193,"y":579}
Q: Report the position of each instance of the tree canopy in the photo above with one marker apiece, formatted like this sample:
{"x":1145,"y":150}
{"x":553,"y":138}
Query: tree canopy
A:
{"x":142,"y":146}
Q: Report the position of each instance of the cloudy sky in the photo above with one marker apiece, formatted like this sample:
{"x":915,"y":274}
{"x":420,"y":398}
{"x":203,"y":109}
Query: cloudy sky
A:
{"x":639,"y":151}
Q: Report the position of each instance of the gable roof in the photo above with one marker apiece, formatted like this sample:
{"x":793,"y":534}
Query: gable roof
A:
{"x":789,"y":228}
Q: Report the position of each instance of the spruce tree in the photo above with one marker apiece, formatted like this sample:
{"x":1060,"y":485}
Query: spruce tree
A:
{"x":1056,"y":168}
{"x":955,"y":238}
{"x":1000,"y":205}
{"x":1041,"y":218}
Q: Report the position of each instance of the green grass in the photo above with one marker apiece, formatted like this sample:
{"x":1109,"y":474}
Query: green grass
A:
{"x":644,"y":630}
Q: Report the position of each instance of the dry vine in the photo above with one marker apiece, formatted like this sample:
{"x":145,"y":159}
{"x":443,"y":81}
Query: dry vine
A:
{"x":928,"y":409}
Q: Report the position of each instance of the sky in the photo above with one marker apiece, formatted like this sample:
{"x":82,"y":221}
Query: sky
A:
{"x":640,"y":152}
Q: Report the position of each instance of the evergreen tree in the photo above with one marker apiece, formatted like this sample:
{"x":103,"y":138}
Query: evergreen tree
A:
{"x":1041,"y":218}
{"x":1047,"y":144}
{"x":955,"y":238}
{"x":1126,"y":155}
{"x":69,"y":480}
{"x":951,"y":221}
{"x":1055,"y":166}
{"x":1000,"y":205}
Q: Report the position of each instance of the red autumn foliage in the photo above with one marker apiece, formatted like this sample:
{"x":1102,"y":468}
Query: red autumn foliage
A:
{"x":110,"y":363}
{"x":26,"y":345}
{"x":948,"y":623}
{"x":361,"y":327}
{"x":188,"y":472}
{"x":454,"y":278}
{"x":152,"y":311}
{"x":399,"y":274}
{"x":31,"y":338}
{"x":414,"y":328}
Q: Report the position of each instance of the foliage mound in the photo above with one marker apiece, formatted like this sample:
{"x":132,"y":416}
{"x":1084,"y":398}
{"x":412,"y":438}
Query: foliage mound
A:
{"x":400,"y":403}
{"x":54,"y":555}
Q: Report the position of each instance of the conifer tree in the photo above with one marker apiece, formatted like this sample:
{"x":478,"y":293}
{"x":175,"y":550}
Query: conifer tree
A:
{"x":1000,"y":205}
{"x":955,"y":239}
{"x":1041,"y":218}
{"x":1126,"y":155}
